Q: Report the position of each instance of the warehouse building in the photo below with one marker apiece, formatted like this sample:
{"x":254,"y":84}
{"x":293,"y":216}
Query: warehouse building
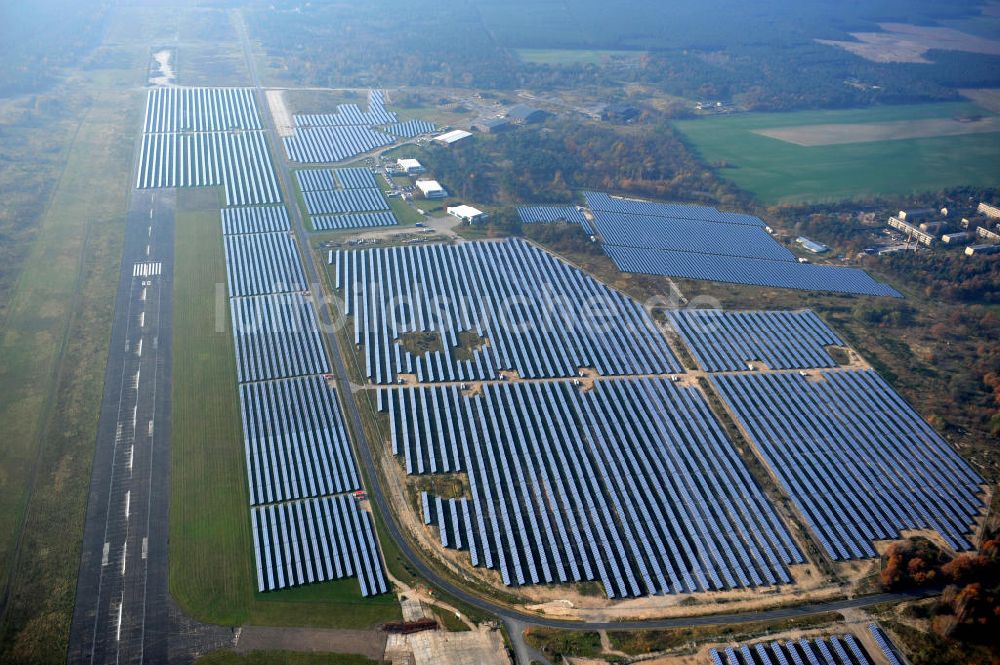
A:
{"x":410,"y":166}
{"x":812,"y":245}
{"x":431,"y":189}
{"x":492,"y":126}
{"x":467,"y":214}
{"x":523,"y":114}
{"x":452,"y":137}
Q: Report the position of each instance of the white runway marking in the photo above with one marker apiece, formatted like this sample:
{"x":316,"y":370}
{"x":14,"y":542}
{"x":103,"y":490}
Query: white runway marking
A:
{"x":145,"y":547}
{"x":118,"y":633}
{"x":138,"y":348}
{"x":107,"y":551}
{"x":124,"y":556}
{"x":128,"y":502}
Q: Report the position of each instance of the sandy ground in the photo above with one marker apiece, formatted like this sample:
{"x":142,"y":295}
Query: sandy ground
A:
{"x":902,"y":42}
{"x":837,"y":134}
{"x":282,"y":117}
{"x":483,"y":646}
{"x":166,"y":76}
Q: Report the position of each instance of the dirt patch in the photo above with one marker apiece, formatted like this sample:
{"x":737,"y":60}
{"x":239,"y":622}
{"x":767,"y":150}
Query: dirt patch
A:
{"x":279,"y":111}
{"x":902,"y":42}
{"x":368,"y":643}
{"x":870,"y":132}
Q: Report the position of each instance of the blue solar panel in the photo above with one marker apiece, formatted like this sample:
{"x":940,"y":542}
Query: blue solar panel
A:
{"x":857,"y":461}
{"x":262,"y":219}
{"x":756,"y":272}
{"x":723,"y":341}
{"x":632,"y":482}
{"x":530,"y":312}
{"x":548,"y":214}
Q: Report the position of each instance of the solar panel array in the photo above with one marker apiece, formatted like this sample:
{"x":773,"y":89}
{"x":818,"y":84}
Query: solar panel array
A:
{"x":262,"y":263}
{"x":832,"y":650}
{"x":410,"y":128}
{"x":687,"y":235}
{"x":345,"y":200}
{"x":265,"y":219}
{"x":532,"y":313}
{"x":602,"y":202}
{"x":632,"y":483}
{"x":314,"y":541}
{"x":295,"y":442}
{"x":857,"y":461}
{"x":754,"y":272}
{"x":695,"y":242}
{"x":276,"y":337}
{"x":723,"y":341}
{"x":353,"y":221}
{"x":205,"y":137}
{"x":549,"y":214}
{"x":351,"y":114}
{"x":885,"y":645}
{"x":170,"y":110}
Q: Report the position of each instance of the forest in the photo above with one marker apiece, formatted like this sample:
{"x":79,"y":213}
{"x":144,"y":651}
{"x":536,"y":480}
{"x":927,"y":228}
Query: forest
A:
{"x":761,"y":56}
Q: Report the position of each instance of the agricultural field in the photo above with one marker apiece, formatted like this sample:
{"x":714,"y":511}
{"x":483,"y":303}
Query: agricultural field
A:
{"x":831,"y":167}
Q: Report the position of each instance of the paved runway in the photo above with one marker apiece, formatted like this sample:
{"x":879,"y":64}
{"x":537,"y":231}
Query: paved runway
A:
{"x":122,"y":612}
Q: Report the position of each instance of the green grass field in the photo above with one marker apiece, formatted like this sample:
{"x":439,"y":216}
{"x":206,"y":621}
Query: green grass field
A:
{"x":784,"y":173}
{"x":571,"y":56}
{"x":211,"y":556}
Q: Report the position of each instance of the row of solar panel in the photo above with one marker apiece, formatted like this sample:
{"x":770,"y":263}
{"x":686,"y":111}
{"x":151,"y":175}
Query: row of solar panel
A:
{"x":687,"y":235}
{"x":517,"y":308}
{"x":296,"y":444}
{"x":316,"y":180}
{"x":357,"y":220}
{"x":276,"y":337}
{"x":264,"y":219}
{"x":345,"y":200}
{"x":410,"y":128}
{"x":755,"y":272}
{"x":857,"y":461}
{"x":885,"y":645}
{"x":316,"y":540}
{"x":724,"y":341}
{"x":262,"y":263}
{"x":333,"y":144}
{"x":351,"y":114}
{"x":240,"y":162}
{"x":200,"y":110}
{"x":550,"y":214}
{"x":600,"y":201}
{"x":632,"y":483}
{"x":833,"y":650}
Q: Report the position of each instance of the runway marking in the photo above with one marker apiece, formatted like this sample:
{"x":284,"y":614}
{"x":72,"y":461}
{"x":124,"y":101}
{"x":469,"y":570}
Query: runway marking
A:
{"x":145,"y":547}
{"x":124,"y":556}
{"x":143,"y":296}
{"x":142,"y":319}
{"x":149,"y":429}
{"x":107,"y":551}
{"x":118,"y":632}
{"x":151,"y":213}
{"x":128,"y":502}
{"x":138,"y":348}
{"x":147,"y":268}
{"x":135,"y":383}
{"x":131,"y":456}
{"x":147,"y":250}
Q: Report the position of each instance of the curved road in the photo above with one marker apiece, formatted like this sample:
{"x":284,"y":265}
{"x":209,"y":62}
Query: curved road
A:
{"x":510,"y":616}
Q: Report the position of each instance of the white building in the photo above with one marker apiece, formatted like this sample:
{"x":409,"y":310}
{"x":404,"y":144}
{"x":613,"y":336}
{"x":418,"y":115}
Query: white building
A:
{"x":431,"y":189}
{"x":410,"y":166}
{"x":453,"y":136}
{"x":988,"y":210}
{"x":467,"y":214}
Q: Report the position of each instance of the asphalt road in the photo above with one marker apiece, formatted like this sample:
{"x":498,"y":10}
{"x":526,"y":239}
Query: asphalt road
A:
{"x":513,"y":618}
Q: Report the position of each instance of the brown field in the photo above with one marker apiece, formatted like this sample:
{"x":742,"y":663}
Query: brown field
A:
{"x":902,"y":42}
{"x":868,"y":132}
{"x":988,"y":98}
